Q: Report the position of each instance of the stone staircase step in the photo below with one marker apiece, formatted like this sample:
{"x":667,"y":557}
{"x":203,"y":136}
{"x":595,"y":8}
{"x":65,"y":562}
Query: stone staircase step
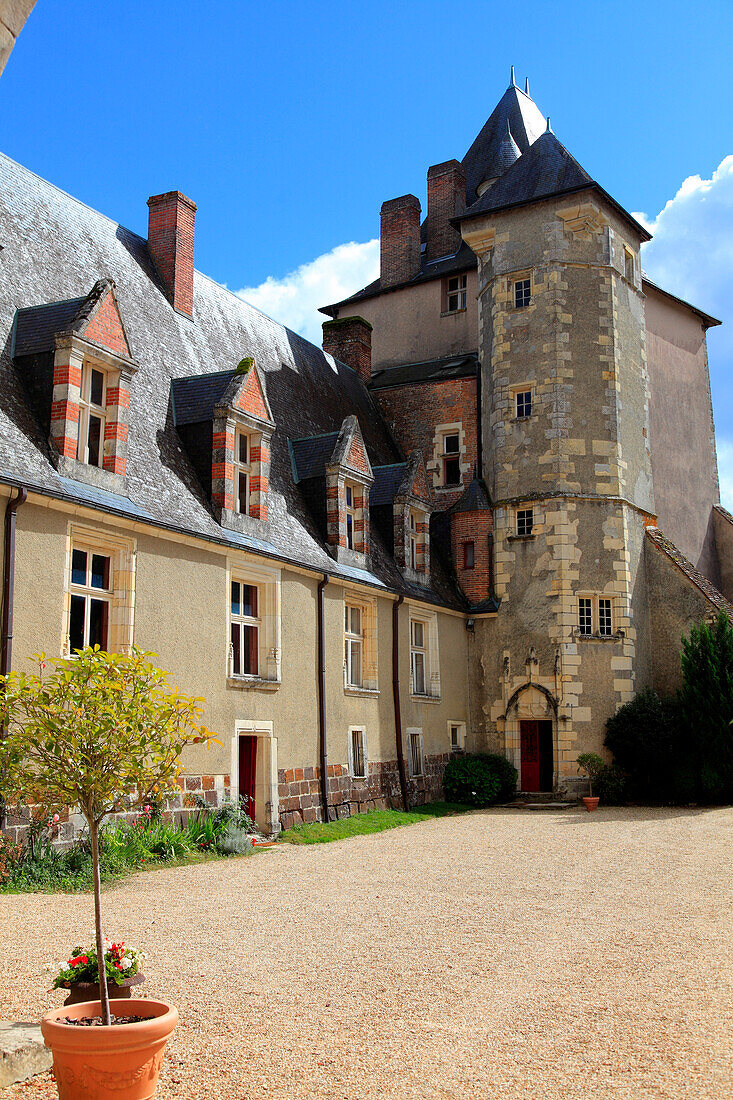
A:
{"x":23,"y":1053}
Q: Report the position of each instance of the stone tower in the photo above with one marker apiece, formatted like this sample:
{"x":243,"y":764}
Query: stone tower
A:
{"x":566,"y":459}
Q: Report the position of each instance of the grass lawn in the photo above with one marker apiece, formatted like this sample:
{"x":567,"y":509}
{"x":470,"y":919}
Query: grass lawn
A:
{"x":373,"y":822}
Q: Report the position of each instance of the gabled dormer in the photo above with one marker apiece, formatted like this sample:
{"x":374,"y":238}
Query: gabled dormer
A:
{"x":402,"y":502}
{"x":226,"y":425}
{"x":75,"y":359}
{"x":335,"y":475}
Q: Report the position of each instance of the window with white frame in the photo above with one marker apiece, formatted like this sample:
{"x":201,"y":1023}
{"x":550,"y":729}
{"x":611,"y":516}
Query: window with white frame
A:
{"x":525,"y":521}
{"x":424,"y":671}
{"x":523,"y":404}
{"x":90,"y":599}
{"x":457,"y":736}
{"x":522,"y":293}
{"x":92,"y":415}
{"x":350,"y":491}
{"x":595,"y":615}
{"x":242,"y":472}
{"x":358,"y":765}
{"x":451,"y":459}
{"x":99,"y":599}
{"x":455,"y":288}
{"x":585,"y":615}
{"x":416,"y":755}
{"x":254,"y":623}
{"x":353,"y":645}
{"x":605,"y":626}
{"x":360,"y":643}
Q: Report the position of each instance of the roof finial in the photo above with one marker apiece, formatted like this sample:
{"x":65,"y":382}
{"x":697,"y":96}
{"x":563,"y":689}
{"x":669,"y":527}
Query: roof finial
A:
{"x":513,"y":82}
{"x":526,"y":87}
{"x":549,"y":129}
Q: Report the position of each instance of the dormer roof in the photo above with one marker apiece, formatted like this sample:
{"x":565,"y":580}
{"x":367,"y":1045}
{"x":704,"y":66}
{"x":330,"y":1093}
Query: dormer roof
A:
{"x":96,"y":317}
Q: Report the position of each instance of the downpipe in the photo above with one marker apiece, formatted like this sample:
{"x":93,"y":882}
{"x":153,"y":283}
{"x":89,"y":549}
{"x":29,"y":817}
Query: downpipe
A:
{"x":396,"y":695}
{"x":323,"y":745}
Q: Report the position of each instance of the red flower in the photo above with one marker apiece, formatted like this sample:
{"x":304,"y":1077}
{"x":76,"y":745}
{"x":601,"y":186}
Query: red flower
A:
{"x":84,"y":959}
{"x":253,"y":842}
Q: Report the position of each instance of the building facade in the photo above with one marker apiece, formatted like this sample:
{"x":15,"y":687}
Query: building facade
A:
{"x":458,"y":526}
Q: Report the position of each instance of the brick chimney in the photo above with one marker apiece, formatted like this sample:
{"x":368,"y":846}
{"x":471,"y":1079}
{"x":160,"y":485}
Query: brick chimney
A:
{"x":446,"y":199}
{"x":349,"y":339}
{"x":400,"y":240}
{"x":170,"y":241}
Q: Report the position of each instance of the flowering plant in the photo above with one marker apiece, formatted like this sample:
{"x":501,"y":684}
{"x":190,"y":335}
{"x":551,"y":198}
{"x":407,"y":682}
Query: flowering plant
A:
{"x":120,"y":962}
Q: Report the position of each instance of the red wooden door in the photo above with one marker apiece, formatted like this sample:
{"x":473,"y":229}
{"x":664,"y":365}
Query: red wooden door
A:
{"x":248,"y":772}
{"x":530,"y":737}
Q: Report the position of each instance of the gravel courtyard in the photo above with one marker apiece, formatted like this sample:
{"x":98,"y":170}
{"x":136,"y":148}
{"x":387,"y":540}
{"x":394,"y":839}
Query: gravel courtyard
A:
{"x":497,"y":954}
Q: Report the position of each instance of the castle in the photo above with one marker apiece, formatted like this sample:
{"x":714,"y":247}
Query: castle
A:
{"x":479,"y":518}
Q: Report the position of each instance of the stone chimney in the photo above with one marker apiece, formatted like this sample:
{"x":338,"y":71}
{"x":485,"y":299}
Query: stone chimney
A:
{"x":349,"y":339}
{"x":446,"y":199}
{"x":399,"y":240}
{"x":170,"y":242}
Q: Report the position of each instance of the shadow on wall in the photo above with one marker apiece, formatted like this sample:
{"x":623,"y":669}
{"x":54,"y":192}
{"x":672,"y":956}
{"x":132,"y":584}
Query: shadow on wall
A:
{"x":13,"y":14}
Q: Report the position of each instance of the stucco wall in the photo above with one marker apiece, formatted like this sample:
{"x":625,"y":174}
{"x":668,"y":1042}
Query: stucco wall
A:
{"x":407,"y":326}
{"x":684,"y":465}
{"x":723,"y":532}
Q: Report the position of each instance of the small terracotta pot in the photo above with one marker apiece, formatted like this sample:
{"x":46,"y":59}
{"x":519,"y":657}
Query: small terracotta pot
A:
{"x":591,"y":804}
{"x":119,"y":1062}
{"x":89,"y":991}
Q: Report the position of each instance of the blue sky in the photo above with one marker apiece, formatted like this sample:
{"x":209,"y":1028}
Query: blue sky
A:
{"x":290,"y":122}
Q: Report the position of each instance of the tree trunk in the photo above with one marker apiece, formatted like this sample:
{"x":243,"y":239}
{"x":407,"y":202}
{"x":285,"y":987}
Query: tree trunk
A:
{"x":101,"y":968}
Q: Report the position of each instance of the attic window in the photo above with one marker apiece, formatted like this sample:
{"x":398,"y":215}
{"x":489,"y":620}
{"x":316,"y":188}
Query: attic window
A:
{"x":92,"y":416}
{"x":243,"y":472}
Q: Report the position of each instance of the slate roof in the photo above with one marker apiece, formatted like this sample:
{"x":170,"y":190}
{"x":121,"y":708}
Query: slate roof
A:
{"x":387,"y":482}
{"x":36,"y":326}
{"x":545,"y":170}
{"x":432,"y":370}
{"x":515,"y":109}
{"x":475,"y":498}
{"x":54,"y":250}
{"x":310,"y":456}
{"x":193,"y":399}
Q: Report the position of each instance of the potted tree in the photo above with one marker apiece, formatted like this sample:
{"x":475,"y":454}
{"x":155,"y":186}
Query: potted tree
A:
{"x":592,"y":765}
{"x":103,"y":732}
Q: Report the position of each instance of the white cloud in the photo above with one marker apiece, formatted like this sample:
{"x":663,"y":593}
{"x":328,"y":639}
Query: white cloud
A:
{"x":294,"y":300}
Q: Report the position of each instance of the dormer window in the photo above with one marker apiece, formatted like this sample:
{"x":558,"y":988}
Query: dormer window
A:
{"x":243,"y":472}
{"x":412,"y":557}
{"x":92,"y":416}
{"x":350,"y":491}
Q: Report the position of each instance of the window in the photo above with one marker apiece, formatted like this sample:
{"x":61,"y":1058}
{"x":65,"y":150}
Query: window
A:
{"x":451,"y":460}
{"x":92,"y":416}
{"x":242,"y":473}
{"x":353,"y":645}
{"x":457,"y":736}
{"x":585,"y":615}
{"x":522,"y":293}
{"x":524,"y":404}
{"x":604,"y":618}
{"x":350,"y":514}
{"x":91,"y":595}
{"x":417,"y":760}
{"x":418,"y":657}
{"x":455,"y":293}
{"x":412,"y":559}
{"x":245,"y":629}
{"x":469,"y":555}
{"x":525,"y":521}
{"x":629,"y":265}
{"x":357,"y":753}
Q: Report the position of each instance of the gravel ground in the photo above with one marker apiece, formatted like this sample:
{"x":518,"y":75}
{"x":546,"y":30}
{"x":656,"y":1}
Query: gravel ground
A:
{"x":497,"y":954}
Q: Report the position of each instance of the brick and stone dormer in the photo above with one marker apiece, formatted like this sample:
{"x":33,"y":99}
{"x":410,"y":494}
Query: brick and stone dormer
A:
{"x":413,"y":504}
{"x":226,"y":426}
{"x":471,"y":529}
{"x":76,"y":362}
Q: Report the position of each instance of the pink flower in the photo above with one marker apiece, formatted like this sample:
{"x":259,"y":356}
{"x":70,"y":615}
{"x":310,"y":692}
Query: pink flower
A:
{"x":56,"y":819}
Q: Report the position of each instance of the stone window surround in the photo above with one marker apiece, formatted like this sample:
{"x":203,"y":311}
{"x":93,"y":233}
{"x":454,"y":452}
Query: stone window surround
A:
{"x":410,"y":732}
{"x":515,"y":391}
{"x":520,"y":277}
{"x":364,"y":778}
{"x":403,"y":511}
{"x":462,"y":290}
{"x":595,"y":635}
{"x":268,"y":580}
{"x":72,"y":354}
{"x":368,"y":607}
{"x":228,"y":423}
{"x":429,"y":619}
{"x":461,"y":736}
{"x":434,"y":467}
{"x":336,"y":478}
{"x":122,"y":554}
{"x":267,"y":804}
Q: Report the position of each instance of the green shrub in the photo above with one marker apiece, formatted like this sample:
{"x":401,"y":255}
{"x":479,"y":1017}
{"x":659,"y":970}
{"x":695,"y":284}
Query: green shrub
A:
{"x":643,"y":736}
{"x":478,"y":779}
{"x":706,"y":709}
{"x":610,"y":785}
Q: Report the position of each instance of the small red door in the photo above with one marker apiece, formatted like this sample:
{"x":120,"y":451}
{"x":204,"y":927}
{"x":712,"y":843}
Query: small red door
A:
{"x":530,"y":736}
{"x":248,"y":772}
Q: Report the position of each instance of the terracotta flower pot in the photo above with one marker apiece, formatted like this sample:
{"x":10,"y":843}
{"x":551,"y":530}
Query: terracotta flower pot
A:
{"x":591,"y":804}
{"x":121,"y":1062}
{"x":89,"y":991}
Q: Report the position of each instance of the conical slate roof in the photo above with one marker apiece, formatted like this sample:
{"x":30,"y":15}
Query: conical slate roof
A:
{"x":507,"y":152}
{"x":517,"y":110}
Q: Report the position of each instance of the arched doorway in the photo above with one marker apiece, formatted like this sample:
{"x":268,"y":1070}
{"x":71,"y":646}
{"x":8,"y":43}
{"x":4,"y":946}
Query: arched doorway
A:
{"x":531,"y":716}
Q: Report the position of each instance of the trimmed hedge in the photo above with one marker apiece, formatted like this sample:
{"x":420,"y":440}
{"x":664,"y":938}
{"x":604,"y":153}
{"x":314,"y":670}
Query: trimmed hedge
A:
{"x":479,"y":779}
